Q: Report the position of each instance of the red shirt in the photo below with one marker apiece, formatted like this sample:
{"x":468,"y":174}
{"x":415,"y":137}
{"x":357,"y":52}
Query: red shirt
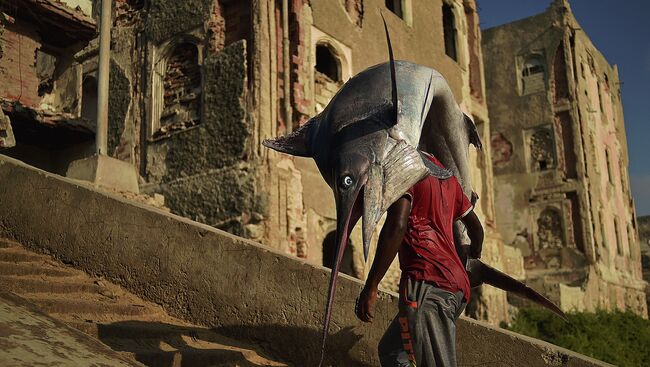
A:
{"x":427,"y":251}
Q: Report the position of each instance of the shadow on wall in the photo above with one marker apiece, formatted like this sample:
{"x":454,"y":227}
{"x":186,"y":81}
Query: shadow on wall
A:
{"x":200,"y":346}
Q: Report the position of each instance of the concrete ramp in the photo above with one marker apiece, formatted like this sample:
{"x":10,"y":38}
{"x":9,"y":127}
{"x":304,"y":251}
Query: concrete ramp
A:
{"x":205,"y":276}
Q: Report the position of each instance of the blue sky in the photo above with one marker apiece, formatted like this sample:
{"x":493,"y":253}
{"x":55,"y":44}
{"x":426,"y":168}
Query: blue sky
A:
{"x":621,"y":31}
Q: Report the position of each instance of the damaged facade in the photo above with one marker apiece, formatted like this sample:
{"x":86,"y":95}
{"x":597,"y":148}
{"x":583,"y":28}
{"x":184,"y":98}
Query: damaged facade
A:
{"x":42,"y":119}
{"x":560,"y":162}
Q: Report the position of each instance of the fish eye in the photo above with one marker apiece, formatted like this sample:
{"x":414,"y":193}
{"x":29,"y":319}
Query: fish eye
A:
{"x":346,"y":182}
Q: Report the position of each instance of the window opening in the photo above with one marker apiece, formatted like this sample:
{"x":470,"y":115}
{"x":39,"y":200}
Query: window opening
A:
{"x":395,"y":6}
{"x":327,"y":64}
{"x":449,"y":30}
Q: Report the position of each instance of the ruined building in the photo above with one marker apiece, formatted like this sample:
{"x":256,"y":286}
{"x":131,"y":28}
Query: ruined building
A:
{"x":43,"y":118}
{"x":559,"y":156}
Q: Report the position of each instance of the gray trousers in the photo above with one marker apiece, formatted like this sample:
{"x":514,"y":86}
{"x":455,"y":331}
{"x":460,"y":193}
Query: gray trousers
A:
{"x":423,"y":333}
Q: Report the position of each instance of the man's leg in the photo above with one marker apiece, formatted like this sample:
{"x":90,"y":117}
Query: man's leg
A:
{"x":428,"y":318}
{"x":391,"y":348}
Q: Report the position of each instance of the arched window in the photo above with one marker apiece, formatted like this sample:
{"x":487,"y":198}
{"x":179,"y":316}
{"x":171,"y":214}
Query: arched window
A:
{"x":327,"y":63}
{"x":329,"y":254}
{"x":327,"y":74}
{"x":449,"y":30}
{"x":89,"y":99}
{"x":181,"y":89}
{"x":533,"y":75}
{"x":550,"y":231}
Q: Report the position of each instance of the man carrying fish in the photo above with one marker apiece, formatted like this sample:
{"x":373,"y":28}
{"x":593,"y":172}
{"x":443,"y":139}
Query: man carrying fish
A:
{"x":434,"y":287}
{"x":374,"y":145}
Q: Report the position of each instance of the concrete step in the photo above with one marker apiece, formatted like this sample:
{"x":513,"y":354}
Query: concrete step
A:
{"x":45,"y":284}
{"x":73,"y":303}
{"x":15,"y":255}
{"x":6,"y":243}
{"x":34,"y":268}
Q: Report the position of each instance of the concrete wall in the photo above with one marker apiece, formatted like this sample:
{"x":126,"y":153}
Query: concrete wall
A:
{"x":207,"y":276}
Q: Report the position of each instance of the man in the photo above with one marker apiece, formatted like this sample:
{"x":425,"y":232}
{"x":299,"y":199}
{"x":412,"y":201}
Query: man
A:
{"x":434,"y":288}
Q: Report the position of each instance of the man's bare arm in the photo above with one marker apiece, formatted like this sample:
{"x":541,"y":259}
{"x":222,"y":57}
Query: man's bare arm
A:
{"x":475,"y":233}
{"x":390,"y":239}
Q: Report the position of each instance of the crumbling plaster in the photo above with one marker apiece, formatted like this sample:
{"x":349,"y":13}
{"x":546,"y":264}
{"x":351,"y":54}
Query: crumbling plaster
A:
{"x":202,"y":170}
{"x":169,"y":18}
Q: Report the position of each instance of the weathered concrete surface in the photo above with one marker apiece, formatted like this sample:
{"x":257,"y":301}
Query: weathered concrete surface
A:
{"x":30,"y":338}
{"x":106,"y":171}
{"x":206,"y":276}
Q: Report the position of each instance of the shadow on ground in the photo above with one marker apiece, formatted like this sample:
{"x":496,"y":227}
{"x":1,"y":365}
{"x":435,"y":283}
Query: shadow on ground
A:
{"x":161,"y":344}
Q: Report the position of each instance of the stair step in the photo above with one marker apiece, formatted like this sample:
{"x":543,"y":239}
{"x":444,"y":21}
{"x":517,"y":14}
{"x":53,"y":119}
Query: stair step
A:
{"x":69,"y":304}
{"x":6,"y":243}
{"x":29,"y":284}
{"x":33,"y":268}
{"x":19,"y":255}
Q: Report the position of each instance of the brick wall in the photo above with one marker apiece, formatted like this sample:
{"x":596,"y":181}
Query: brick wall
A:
{"x":18,"y":79}
{"x":182,"y":89}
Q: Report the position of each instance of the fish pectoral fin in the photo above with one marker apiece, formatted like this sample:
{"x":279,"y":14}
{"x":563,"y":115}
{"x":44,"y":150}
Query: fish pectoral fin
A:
{"x":474,"y":137}
{"x":297,"y":143}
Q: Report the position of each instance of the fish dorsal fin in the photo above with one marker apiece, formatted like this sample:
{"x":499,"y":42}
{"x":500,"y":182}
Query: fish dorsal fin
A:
{"x":297,"y":143}
{"x":393,"y":74}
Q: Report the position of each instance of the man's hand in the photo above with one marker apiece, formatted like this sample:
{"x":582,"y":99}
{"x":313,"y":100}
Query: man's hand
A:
{"x":475,"y":233}
{"x":365,"y":307}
